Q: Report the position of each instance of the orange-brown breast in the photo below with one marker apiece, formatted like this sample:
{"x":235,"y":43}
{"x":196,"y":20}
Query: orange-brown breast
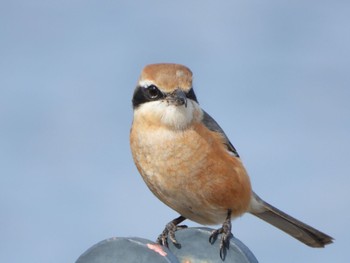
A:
{"x":191,"y":171}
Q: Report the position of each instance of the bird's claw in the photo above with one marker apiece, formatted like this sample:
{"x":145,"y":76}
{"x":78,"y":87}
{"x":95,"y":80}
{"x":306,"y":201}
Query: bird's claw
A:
{"x":226,"y":235}
{"x":169,"y":232}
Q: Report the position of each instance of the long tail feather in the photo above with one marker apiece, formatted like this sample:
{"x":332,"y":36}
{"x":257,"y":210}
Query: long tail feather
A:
{"x":297,"y":229}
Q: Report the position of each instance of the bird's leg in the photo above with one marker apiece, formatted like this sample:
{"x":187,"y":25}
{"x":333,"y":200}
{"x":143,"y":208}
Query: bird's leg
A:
{"x":225,"y":230}
{"x":169,"y":231}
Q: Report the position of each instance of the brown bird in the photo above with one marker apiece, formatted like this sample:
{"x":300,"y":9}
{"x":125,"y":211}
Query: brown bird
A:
{"x":187,"y":161}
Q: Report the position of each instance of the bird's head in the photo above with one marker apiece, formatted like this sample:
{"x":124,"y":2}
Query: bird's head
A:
{"x":164,"y":96}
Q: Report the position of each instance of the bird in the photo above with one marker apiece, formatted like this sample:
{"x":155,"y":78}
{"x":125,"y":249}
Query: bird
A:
{"x":187,"y":161}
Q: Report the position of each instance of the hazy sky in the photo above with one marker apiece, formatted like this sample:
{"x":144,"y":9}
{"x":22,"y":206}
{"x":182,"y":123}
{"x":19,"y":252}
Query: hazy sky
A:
{"x":274,"y":74}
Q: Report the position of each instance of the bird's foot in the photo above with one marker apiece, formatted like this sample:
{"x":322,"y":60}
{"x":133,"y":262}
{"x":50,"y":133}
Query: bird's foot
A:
{"x":226,"y":235}
{"x":169,"y":231}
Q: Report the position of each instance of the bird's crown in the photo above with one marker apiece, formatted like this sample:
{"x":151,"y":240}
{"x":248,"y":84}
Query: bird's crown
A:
{"x":167,"y":77}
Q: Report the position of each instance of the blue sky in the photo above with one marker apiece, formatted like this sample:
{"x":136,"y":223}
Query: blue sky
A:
{"x":274,"y":74}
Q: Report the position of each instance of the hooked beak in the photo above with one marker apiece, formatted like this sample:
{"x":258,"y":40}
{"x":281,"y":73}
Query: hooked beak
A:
{"x":177,"y":98}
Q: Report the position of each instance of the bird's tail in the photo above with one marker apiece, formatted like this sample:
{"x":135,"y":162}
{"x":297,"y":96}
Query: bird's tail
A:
{"x":297,"y":229}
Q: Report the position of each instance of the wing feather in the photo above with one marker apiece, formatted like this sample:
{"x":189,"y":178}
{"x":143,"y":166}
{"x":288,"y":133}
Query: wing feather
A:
{"x":212,"y":125}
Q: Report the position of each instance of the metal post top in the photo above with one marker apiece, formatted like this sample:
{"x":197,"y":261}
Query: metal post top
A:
{"x":195,"y":247}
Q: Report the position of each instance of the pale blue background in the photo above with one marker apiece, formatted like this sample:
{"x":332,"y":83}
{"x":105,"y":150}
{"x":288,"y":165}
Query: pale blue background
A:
{"x":274,"y":74}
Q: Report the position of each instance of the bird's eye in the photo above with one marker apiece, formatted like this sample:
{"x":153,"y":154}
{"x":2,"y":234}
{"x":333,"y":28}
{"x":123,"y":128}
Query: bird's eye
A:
{"x":153,"y":92}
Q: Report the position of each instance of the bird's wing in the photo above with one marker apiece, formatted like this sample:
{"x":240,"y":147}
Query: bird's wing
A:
{"x":212,"y":125}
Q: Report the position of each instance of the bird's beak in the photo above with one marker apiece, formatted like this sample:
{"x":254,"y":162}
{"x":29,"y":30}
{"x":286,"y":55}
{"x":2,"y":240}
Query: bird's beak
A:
{"x":177,"y":98}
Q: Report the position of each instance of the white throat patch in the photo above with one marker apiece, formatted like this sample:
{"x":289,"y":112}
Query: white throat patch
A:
{"x":175,"y":117}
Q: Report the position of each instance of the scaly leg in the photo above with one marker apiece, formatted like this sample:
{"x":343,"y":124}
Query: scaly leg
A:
{"x":169,"y":231}
{"x":225,"y":230}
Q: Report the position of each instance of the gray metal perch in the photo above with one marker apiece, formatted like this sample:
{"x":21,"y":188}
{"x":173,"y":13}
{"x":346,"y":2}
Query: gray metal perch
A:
{"x":195,"y":247}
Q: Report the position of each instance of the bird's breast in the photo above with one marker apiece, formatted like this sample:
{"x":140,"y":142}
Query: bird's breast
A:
{"x":191,"y":171}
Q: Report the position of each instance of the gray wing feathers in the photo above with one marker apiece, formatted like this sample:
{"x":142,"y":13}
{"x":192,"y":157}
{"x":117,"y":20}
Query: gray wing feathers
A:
{"x":212,"y":125}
